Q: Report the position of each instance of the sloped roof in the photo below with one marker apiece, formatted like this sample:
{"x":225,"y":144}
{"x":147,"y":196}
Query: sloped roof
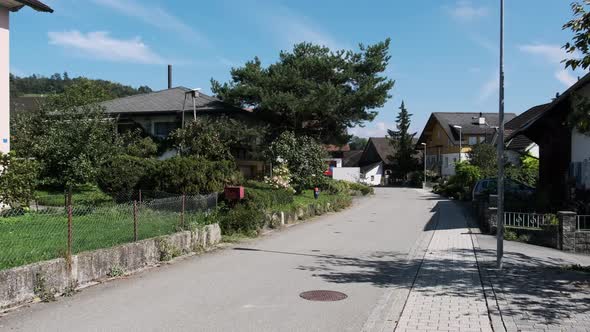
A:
{"x":337,"y":148}
{"x":352,"y":158}
{"x":15,"y":5}
{"x":520,"y":142}
{"x":383,"y":147}
{"x":169,"y":100}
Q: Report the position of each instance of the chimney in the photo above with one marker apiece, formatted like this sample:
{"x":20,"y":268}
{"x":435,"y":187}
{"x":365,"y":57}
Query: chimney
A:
{"x":169,"y":76}
{"x":481,"y":120}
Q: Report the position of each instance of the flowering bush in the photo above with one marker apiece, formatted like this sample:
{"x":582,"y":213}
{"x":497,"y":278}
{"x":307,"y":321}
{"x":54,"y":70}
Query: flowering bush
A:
{"x":281,"y":177}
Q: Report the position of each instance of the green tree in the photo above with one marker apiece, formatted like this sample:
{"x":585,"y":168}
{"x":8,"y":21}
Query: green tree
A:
{"x":219,"y":138}
{"x":18,"y":180}
{"x":304,"y":157}
{"x":70,"y":135}
{"x":358,"y":143}
{"x":313,"y":91}
{"x":485,"y":157}
{"x":404,"y":158}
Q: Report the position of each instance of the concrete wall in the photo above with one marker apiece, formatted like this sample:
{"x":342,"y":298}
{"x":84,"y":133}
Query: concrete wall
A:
{"x":4,"y":81}
{"x":351,"y":174}
{"x":18,"y":285}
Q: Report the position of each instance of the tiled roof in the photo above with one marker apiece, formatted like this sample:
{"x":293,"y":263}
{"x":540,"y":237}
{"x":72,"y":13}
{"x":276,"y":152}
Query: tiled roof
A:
{"x":169,"y":100}
{"x":383,"y":147}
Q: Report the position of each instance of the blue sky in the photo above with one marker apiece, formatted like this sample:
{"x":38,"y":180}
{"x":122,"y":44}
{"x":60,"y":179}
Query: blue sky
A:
{"x":444,"y":52}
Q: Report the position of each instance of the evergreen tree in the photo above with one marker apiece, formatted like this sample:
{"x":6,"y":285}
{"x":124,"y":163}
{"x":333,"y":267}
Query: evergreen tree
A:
{"x":404,"y":159}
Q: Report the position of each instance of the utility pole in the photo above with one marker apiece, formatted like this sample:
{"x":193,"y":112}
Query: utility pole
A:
{"x":500,"y":223}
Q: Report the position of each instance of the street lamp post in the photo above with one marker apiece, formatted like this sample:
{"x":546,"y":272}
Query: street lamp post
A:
{"x":460,"y":140}
{"x":424,"y":182}
{"x":500,"y":226}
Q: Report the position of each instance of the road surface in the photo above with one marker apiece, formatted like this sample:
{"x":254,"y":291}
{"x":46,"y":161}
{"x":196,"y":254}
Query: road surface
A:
{"x":367,"y":252}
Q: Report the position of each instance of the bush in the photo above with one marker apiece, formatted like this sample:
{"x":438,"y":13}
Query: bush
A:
{"x":304,"y":157}
{"x":416,"y":179}
{"x":125,"y":174}
{"x":193,"y":175}
{"x":18,"y":179}
{"x":265,"y":197}
{"x":242,"y":218}
{"x":337,"y":187}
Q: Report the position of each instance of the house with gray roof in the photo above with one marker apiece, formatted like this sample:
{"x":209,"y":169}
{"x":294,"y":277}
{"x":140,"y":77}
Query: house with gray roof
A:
{"x":159,"y":113}
{"x":450,"y":136}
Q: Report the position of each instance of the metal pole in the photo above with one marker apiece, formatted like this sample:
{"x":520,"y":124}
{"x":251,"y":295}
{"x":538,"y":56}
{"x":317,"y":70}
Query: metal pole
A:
{"x":183,"y":105}
{"x":70,"y":234}
{"x":135,"y":221}
{"x":182,"y":212}
{"x":500,"y":227}
{"x":424,"y":186}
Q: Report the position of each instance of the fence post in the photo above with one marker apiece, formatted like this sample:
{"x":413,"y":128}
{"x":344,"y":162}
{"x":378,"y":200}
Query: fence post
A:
{"x":135,"y":221}
{"x":70,"y":235}
{"x":182,"y":212}
{"x":567,"y":230}
{"x":139,"y":196}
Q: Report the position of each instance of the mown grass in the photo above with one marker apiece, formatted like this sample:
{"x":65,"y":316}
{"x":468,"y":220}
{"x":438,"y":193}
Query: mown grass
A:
{"x":38,"y":236}
{"x":87,"y":195}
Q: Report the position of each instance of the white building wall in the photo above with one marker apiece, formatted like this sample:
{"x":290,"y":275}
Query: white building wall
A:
{"x":448,"y":163}
{"x":4,"y":81}
{"x":373,"y":176}
{"x":351,"y":174}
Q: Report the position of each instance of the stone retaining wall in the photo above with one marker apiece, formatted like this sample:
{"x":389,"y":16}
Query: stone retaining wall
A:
{"x":18,"y":285}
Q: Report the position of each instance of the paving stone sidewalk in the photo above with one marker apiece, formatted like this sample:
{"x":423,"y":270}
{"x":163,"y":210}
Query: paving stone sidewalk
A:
{"x":534,"y":291}
{"x":447,"y":294}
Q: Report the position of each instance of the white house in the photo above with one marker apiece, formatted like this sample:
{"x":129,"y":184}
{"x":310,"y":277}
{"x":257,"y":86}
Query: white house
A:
{"x":7,"y":6}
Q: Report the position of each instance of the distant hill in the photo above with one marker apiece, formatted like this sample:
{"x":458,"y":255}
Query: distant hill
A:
{"x":36,"y":85}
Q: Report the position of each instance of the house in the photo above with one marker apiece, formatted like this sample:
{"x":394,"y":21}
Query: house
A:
{"x":7,"y":6}
{"x":520,"y":145}
{"x":376,"y":161}
{"x":159,"y":113}
{"x":443,"y":132}
{"x":564,"y":153}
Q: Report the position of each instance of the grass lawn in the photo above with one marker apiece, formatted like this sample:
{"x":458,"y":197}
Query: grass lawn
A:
{"x":38,"y":236}
{"x":87,"y":195}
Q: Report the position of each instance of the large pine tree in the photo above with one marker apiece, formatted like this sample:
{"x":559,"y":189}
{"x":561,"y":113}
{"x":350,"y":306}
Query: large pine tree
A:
{"x":404,"y":158}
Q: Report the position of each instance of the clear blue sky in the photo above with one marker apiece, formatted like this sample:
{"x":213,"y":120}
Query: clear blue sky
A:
{"x":444,"y":52}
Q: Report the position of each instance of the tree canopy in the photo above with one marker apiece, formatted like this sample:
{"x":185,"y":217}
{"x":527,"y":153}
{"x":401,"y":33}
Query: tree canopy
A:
{"x":57,"y":83}
{"x":580,"y":44}
{"x":404,"y":157}
{"x":358,"y":143}
{"x":312,"y":90}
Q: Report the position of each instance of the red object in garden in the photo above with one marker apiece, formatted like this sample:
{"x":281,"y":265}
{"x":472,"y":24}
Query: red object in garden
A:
{"x":234,"y":193}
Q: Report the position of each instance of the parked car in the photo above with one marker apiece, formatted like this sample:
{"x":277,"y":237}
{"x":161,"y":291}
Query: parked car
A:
{"x":486,"y":187}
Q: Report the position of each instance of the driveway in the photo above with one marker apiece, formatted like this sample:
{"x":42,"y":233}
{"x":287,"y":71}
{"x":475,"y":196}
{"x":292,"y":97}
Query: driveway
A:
{"x":365,"y":252}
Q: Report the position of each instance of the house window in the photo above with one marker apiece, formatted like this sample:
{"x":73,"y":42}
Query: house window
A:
{"x":472,"y":140}
{"x":163,"y":129}
{"x":372,"y":178}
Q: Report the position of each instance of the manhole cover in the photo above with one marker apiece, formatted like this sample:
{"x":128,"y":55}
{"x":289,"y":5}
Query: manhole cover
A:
{"x":323,"y":296}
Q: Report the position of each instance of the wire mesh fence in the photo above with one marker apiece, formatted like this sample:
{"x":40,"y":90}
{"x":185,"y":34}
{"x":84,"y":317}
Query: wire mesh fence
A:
{"x":44,"y":232}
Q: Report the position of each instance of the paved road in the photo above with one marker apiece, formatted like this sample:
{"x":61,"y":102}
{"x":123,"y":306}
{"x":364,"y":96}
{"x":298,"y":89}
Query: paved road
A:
{"x":368,"y":252}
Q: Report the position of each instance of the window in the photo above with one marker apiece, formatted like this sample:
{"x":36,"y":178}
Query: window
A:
{"x":472,"y":140}
{"x":446,"y":161}
{"x":163,"y":129}
{"x":372,"y":178}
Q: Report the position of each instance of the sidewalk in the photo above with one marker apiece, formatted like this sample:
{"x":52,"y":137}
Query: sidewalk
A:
{"x":534,"y":292}
{"x":447,"y":294}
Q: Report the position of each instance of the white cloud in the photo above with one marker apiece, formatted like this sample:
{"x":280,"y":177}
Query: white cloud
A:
{"x":379,"y":129}
{"x":465,"y":11}
{"x":153,"y":15}
{"x":566,"y":77}
{"x":489,"y":88}
{"x":100,"y":45}
{"x":552,"y":55}
{"x":290,"y":27}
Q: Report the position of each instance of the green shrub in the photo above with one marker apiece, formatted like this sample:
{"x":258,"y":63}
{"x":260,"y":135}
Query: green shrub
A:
{"x":363,"y":188}
{"x":267,"y":198}
{"x":510,"y":235}
{"x":125,"y":173}
{"x":416,"y":179}
{"x":242,"y":218}
{"x":18,"y":179}
{"x":193,"y":175}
